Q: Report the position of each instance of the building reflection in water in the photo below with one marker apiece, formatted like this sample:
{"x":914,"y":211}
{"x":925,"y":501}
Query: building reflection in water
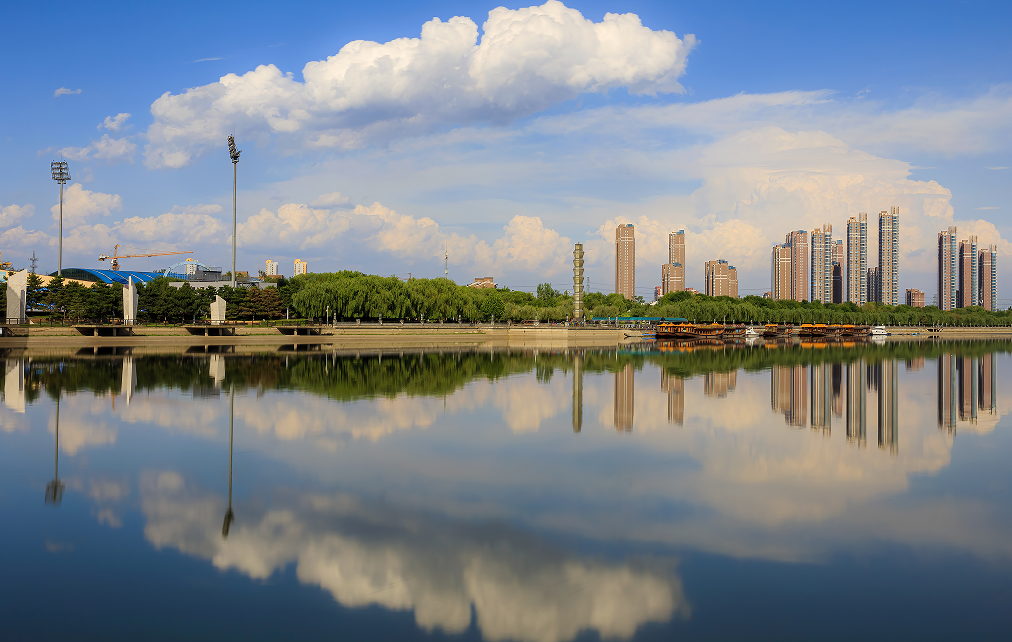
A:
{"x":857,"y":396}
{"x":624,"y":398}
{"x":822,"y":397}
{"x":915,"y":365}
{"x":987,"y":389}
{"x":838,"y":390}
{"x":967,"y":386}
{"x":887,"y":377}
{"x":675,"y":388}
{"x":128,"y":382}
{"x":718,"y":384}
{"x":578,"y":392}
{"x":789,"y":393}
{"x":14,"y":385}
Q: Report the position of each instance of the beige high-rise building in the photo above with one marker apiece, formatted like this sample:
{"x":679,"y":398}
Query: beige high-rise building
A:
{"x":625,"y":261}
{"x":301,"y":267}
{"x":947,"y":260}
{"x":856,"y":288}
{"x":672,"y":278}
{"x":720,"y":279}
{"x":271,"y":268}
{"x":988,"y":275}
{"x":823,"y":250}
{"x":798,"y":242}
{"x":676,"y":255}
{"x":889,"y":257}
{"x":780,"y":273}
{"x":968,"y":288}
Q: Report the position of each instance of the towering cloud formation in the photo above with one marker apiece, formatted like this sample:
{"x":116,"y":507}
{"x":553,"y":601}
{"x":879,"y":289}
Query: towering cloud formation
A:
{"x":525,"y":61}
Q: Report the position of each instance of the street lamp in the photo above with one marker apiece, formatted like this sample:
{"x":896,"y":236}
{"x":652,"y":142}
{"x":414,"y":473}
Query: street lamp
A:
{"x":234,"y":153}
{"x":61,"y":174}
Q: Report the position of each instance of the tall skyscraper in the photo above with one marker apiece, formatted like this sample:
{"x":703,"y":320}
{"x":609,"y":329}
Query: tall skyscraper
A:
{"x":947,"y":257}
{"x":874,"y":284}
{"x":857,"y":259}
{"x":720,"y":279}
{"x":676,"y":252}
{"x":823,"y":250}
{"x":672,"y":278}
{"x":889,"y":256}
{"x":780,"y":273}
{"x":798,"y":242}
{"x":987,"y":273}
{"x":625,"y":261}
{"x":968,"y":286}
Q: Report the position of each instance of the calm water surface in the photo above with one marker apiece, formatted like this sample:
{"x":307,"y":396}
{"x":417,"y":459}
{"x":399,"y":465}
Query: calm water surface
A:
{"x":647,"y":493}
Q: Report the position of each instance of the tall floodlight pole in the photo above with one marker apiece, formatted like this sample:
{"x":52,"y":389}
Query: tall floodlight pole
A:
{"x":446,"y":262}
{"x":61,"y":174}
{"x":234,"y":153}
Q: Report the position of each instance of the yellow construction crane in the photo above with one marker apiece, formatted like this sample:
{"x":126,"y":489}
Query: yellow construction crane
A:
{"x":116,"y":256}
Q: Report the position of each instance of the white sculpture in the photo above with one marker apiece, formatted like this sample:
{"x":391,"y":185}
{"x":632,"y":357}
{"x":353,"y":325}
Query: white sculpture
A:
{"x":218,"y":311}
{"x":130,"y":297}
{"x":17,"y":297}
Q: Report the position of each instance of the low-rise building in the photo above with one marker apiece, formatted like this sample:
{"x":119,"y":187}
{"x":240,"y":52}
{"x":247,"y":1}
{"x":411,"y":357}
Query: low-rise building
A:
{"x":915,"y":298}
{"x":483,"y":282}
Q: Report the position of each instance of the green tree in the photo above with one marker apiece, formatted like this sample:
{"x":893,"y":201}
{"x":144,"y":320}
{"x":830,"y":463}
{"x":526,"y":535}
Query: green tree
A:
{"x":36,"y":294}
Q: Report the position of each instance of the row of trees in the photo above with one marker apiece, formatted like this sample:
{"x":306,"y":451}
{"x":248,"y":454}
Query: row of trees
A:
{"x":353,"y":295}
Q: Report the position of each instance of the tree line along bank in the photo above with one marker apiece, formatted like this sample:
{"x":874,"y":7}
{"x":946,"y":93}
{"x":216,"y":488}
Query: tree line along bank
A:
{"x":350,"y":295}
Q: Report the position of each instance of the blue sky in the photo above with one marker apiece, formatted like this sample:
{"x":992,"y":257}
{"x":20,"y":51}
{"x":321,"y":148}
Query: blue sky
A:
{"x":776,"y":118}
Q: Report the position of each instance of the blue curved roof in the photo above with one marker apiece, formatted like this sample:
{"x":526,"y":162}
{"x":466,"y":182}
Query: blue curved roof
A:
{"x":121,"y":276}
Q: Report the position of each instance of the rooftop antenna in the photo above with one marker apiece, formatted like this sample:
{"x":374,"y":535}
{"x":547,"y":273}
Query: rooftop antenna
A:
{"x":234,"y":153}
{"x":61,"y":174}
{"x":33,"y":261}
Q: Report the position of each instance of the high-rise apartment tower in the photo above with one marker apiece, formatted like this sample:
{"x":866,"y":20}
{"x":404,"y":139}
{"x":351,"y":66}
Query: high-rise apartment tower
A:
{"x":625,"y":261}
{"x":822,"y":264}
{"x":889,"y":256}
{"x":578,"y":282}
{"x":721,"y":279}
{"x":857,"y":259}
{"x":672,"y":278}
{"x":676,"y":256}
{"x":968,"y":288}
{"x":780,"y":273}
{"x":947,"y":257}
{"x":987,"y":272}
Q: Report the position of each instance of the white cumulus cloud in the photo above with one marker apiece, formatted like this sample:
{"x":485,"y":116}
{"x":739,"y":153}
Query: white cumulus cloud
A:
{"x":12,"y":215}
{"x":81,"y":205}
{"x":111,"y":150}
{"x":63,"y":91}
{"x":114,"y":123}
{"x":525,"y":61}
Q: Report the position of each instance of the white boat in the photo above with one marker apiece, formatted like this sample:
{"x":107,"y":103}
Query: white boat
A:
{"x":879,"y":331}
{"x":753,"y":332}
